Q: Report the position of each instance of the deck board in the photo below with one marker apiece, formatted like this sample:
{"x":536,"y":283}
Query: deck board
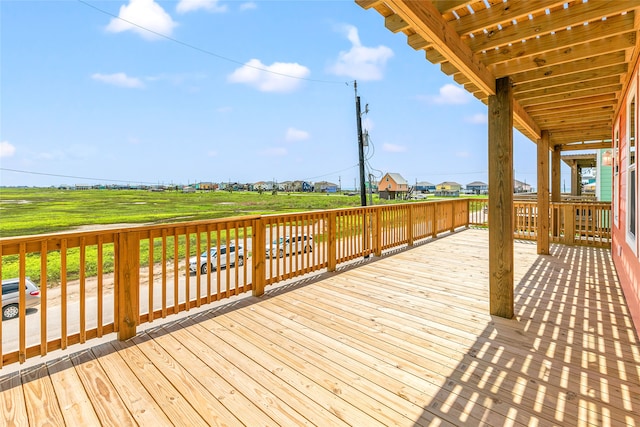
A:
{"x":404,"y":340}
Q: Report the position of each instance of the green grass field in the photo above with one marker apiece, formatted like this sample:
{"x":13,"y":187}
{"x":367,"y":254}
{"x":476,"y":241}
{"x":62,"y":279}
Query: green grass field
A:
{"x":47,"y":210}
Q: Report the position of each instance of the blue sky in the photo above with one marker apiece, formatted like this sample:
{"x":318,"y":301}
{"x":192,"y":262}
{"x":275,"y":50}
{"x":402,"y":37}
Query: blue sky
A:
{"x":141,"y":91}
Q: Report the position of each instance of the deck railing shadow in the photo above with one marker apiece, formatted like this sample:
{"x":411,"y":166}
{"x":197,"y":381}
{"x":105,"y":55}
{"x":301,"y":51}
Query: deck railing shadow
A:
{"x":564,"y":357}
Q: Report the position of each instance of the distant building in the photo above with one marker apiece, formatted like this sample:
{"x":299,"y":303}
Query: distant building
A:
{"x":448,"y":189}
{"x":521,"y":187}
{"x":393,"y":186}
{"x":477,"y":187}
{"x":425,"y":187}
{"x":325,"y":187}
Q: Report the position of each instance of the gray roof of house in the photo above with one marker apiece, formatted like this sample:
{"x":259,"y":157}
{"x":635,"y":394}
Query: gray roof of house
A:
{"x":397,"y":178}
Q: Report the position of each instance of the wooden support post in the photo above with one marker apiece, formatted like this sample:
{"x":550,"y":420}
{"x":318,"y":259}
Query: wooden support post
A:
{"x":332,"y":253}
{"x":377,"y":232}
{"x":410,"y":225}
{"x":543,"y":194}
{"x":556,"y":196}
{"x":501,"y":301}
{"x":569,"y":213}
{"x":575,"y":181}
{"x":128,"y":273}
{"x":258,"y":256}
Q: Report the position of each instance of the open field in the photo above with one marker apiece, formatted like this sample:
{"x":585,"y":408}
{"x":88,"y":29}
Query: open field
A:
{"x":47,"y":210}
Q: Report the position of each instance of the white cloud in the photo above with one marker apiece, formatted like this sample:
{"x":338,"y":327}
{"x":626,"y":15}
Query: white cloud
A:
{"x":361,"y":62}
{"x":274,"y":152}
{"x":248,"y":6}
{"x":7,"y":149}
{"x":452,"y":94}
{"x":393,"y":148}
{"x":278,"y":77}
{"x":140,"y":16}
{"x":118,"y":79}
{"x":185,"y":6}
{"x":294,"y":135}
{"x":477,"y":119}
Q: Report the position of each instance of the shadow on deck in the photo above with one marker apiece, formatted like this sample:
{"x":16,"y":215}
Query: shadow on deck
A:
{"x":401,"y":340}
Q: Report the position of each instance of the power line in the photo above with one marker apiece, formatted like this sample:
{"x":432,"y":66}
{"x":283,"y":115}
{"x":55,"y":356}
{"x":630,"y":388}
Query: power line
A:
{"x":208,"y":52}
{"x":74,"y":177}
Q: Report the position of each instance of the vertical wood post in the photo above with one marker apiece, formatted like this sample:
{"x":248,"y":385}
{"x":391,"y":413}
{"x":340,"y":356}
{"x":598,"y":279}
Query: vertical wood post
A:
{"x":543,"y":194}
{"x":569,"y":213}
{"x":377,"y":232}
{"x":259,"y":256}
{"x":128,"y":253}
{"x":501,"y":200}
{"x":410,"y":225}
{"x":332,"y":253}
{"x":556,"y":194}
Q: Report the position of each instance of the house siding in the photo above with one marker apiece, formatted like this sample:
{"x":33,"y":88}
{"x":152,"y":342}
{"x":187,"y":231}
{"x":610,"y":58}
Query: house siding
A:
{"x":624,"y":252}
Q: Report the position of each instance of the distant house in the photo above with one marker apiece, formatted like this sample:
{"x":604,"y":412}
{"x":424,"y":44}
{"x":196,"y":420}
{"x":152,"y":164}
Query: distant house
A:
{"x":206,"y":186}
{"x":477,"y":187}
{"x":325,"y":187}
{"x":448,"y":189}
{"x":393,"y":186}
{"x":425,"y":187}
{"x":301,"y":186}
{"x":521,"y":187}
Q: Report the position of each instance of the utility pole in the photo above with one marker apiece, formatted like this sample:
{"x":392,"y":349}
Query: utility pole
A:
{"x":363,"y":191}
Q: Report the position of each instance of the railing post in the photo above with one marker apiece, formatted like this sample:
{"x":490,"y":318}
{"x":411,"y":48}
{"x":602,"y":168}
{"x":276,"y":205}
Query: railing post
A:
{"x":377,"y":230}
{"x":453,"y":217}
{"x":258,"y":257}
{"x":467,"y":222}
{"x":332,"y":256}
{"x":128,"y":274}
{"x":569,"y":223}
{"x":410,"y":225}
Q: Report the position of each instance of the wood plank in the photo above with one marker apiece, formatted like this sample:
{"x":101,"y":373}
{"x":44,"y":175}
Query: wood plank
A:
{"x":42,"y":407}
{"x":138,"y":400}
{"x":242,"y":408}
{"x":202,"y":401}
{"x":278,"y":408}
{"x":12,"y":401}
{"x":109,"y":408}
{"x":74,"y":402}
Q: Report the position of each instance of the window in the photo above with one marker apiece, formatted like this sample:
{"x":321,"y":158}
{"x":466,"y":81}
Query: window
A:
{"x":631,"y":171}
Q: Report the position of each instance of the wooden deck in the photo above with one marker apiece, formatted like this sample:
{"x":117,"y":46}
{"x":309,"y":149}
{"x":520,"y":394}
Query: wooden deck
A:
{"x":403,"y":340}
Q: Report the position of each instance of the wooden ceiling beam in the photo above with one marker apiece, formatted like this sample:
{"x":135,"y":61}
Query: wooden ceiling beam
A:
{"x":568,"y":88}
{"x":579,"y":94}
{"x":427,"y":21}
{"x":447,"y":6}
{"x":561,"y":40}
{"x":417,"y":42}
{"x":501,"y":13}
{"x":561,"y":56}
{"x":559,"y":20}
{"x":584,"y":146}
{"x":395,"y":23}
{"x":602,"y":108}
{"x":591,"y":74}
{"x":577,"y":66}
{"x":570,"y":103}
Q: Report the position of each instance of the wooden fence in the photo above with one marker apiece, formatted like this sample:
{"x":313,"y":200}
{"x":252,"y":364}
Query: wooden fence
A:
{"x":94,"y":283}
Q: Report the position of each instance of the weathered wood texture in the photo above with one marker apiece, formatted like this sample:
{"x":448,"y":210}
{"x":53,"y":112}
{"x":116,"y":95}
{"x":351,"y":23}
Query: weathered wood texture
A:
{"x":405,"y":340}
{"x":501,"y":200}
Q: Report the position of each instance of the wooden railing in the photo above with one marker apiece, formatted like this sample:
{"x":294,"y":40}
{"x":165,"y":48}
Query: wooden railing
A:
{"x":570,"y":223}
{"x":97,"y":282}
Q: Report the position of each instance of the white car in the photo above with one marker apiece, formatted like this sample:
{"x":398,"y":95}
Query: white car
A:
{"x":288,"y":245}
{"x":227,"y":258}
